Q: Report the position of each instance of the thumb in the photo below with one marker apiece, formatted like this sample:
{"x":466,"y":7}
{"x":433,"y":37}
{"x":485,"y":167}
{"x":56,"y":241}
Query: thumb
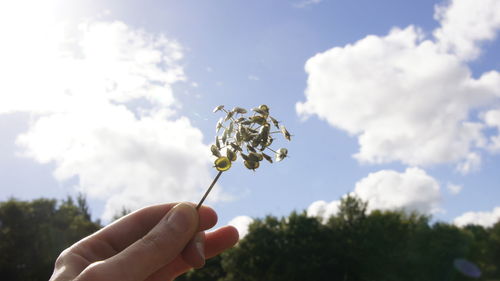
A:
{"x":156,"y":249}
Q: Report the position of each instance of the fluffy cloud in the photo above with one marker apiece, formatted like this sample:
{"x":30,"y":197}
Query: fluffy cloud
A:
{"x":124,"y":160}
{"x":485,"y":219}
{"x":241,"y":223}
{"x":405,"y":97}
{"x":412,"y":190}
{"x":465,"y":24}
{"x":104,"y":112}
{"x":323,"y":210}
{"x":492,"y":119}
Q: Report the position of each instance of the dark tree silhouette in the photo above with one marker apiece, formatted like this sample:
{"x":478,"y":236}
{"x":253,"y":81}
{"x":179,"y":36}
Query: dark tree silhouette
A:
{"x":32,"y":234}
{"x":354,"y":245}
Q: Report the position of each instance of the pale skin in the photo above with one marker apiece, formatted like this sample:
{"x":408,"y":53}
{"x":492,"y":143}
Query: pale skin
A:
{"x":155,"y":243}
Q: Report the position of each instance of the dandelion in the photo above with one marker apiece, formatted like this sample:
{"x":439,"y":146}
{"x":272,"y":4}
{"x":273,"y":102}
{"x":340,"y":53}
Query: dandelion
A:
{"x":246,"y":136}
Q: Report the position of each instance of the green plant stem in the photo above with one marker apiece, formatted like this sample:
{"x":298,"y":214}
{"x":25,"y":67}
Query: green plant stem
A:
{"x":208,"y":190}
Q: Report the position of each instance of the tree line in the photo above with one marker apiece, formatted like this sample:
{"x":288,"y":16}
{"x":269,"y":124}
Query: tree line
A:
{"x":34,"y":233}
{"x":358,"y":246}
{"x":352,"y":245}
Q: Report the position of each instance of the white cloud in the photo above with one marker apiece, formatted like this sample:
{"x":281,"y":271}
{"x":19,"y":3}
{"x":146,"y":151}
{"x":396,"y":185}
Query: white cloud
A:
{"x":485,"y":219}
{"x":465,"y":24}
{"x":124,"y":160}
{"x":105,"y":113}
{"x":471,"y":162}
{"x":323,"y":210}
{"x":412,"y":190}
{"x":492,"y":119}
{"x":403,"y":97}
{"x":241,"y":223}
{"x":454,"y":188}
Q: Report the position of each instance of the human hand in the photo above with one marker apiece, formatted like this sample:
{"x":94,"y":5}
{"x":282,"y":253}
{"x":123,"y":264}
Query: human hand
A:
{"x":155,"y":243}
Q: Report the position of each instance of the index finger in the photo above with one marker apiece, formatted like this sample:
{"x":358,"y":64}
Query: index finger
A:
{"x":117,"y":236}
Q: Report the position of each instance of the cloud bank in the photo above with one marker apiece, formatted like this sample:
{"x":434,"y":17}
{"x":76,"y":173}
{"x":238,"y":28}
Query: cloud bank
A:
{"x":409,"y":98}
{"x":486,"y":219}
{"x":323,"y":210}
{"x":104,"y":112}
{"x":411,"y":191}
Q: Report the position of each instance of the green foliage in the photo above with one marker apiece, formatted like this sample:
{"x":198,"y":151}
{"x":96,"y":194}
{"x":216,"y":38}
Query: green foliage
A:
{"x":352,"y":246}
{"x":356,"y":246}
{"x":285,"y":249}
{"x":32,"y":234}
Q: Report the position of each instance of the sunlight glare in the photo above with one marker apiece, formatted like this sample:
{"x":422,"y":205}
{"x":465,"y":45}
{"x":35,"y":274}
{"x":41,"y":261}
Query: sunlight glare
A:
{"x":29,"y":52}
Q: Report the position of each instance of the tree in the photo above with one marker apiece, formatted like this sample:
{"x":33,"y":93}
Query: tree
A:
{"x":292,"y":248}
{"x":33,"y":233}
{"x":356,"y":246}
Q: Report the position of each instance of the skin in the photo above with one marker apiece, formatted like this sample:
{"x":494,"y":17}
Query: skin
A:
{"x":159,"y":242}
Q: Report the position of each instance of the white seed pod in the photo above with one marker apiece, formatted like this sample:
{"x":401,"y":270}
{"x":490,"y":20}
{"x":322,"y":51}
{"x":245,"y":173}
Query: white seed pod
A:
{"x":231,"y":155}
{"x":219,"y":125}
{"x":230,"y":128}
{"x":281,"y":154}
{"x":275,"y":122}
{"x":229,"y":116}
{"x":285,"y":133}
{"x":220,"y":107}
{"x":217,"y":142}
{"x":239,"y":110}
{"x":215,"y":151}
{"x":264,"y":108}
{"x":224,"y":137}
{"x":264,"y":132}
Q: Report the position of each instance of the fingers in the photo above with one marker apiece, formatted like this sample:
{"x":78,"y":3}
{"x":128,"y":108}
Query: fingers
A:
{"x":117,"y":236}
{"x":215,"y":243}
{"x":194,"y":253}
{"x":220,"y":240}
{"x":153,"y":251}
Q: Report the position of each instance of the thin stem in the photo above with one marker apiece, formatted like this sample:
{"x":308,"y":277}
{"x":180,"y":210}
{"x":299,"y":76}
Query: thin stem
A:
{"x":208,"y":190}
{"x":272,"y":150}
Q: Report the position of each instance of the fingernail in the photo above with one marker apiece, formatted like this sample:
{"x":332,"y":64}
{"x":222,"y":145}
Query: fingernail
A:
{"x":180,"y":218}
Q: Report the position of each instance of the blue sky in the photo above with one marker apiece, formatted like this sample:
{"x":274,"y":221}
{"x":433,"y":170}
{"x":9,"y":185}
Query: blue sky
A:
{"x":388,"y":99}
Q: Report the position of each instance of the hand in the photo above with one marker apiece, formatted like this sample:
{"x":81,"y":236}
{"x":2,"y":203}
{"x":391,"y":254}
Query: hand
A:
{"x":155,"y":243}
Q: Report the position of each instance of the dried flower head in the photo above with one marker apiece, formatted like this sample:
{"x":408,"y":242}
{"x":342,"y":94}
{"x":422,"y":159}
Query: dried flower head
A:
{"x":246,"y":136}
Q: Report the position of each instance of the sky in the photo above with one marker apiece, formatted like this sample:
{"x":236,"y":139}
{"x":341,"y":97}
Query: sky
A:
{"x":395,"y":101}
